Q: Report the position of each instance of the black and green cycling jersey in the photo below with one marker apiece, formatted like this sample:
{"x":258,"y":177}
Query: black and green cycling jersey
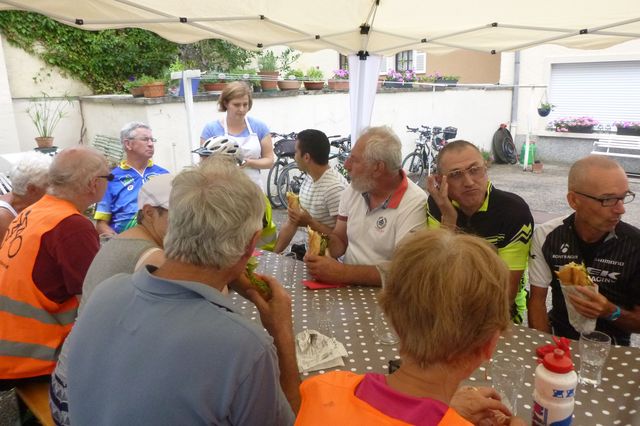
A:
{"x":505,"y":220}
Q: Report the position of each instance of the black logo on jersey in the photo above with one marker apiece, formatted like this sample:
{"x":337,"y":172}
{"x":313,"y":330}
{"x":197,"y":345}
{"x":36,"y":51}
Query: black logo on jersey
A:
{"x":381,"y":222}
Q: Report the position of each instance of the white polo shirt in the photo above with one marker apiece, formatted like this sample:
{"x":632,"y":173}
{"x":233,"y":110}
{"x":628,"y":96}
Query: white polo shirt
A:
{"x":374,"y":234}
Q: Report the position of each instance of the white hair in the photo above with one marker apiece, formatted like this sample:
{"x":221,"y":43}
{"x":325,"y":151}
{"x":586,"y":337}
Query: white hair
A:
{"x":127,"y":131}
{"x":215,"y":210}
{"x":382,"y":145}
{"x":32,"y":169}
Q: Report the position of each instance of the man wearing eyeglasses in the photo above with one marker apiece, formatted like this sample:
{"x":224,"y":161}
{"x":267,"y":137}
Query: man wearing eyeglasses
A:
{"x":117,"y":211}
{"x":43,"y":261}
{"x":462,"y":197}
{"x":596,"y":236}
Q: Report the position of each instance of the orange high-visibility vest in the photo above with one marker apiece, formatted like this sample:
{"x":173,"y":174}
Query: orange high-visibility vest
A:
{"x":329,"y":399}
{"x":32,"y":327}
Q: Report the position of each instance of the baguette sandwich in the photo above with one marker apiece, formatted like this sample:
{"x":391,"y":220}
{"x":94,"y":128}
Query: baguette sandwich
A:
{"x":318,"y":243}
{"x":262,"y":287}
{"x":574,"y":274}
{"x":293,"y":200}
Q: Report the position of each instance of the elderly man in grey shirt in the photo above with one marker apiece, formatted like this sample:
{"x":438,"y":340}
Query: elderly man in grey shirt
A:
{"x":165,"y":346}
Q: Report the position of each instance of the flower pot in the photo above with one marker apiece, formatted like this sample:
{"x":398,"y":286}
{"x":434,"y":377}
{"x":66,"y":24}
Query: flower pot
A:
{"x":271,"y":82}
{"x":537,"y":167}
{"x":137,"y":92}
{"x":580,"y":129}
{"x":154,"y":90}
{"x":543,"y":112}
{"x":289,"y":84}
{"x":44,"y":141}
{"x":195,"y":82}
{"x":338,"y":85}
{"x":628,"y":131}
{"x":397,"y":85}
{"x":314,"y":85}
{"x":214,"y":87}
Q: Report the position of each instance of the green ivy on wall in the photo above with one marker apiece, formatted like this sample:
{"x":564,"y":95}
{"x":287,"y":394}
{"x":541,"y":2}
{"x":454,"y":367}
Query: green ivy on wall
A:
{"x":103,"y":60}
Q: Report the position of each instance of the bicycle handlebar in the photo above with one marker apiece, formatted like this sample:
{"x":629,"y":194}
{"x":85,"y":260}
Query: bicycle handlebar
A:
{"x":291,"y":135}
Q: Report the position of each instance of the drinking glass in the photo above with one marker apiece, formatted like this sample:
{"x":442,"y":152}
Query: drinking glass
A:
{"x":594,"y":350}
{"x":323,"y":306}
{"x":507,"y":374}
{"x":382,"y":329}
{"x":288,"y":266}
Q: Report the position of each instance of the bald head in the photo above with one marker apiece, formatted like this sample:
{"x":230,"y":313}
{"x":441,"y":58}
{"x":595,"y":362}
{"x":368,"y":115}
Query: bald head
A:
{"x":73,"y":169}
{"x":587,"y":167}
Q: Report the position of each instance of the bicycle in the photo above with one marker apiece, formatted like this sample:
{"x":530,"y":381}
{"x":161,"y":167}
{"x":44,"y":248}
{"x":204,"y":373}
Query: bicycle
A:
{"x":422,"y":161}
{"x":344,"y":149}
{"x":284,"y":149}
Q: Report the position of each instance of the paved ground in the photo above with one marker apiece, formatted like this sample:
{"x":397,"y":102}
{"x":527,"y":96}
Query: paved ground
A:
{"x":545,"y":193}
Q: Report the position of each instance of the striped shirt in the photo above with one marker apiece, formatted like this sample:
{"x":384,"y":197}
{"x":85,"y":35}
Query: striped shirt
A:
{"x":322,"y":198}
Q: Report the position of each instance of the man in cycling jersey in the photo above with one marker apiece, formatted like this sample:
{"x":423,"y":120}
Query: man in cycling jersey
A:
{"x":463,"y":197}
{"x":595,"y":236}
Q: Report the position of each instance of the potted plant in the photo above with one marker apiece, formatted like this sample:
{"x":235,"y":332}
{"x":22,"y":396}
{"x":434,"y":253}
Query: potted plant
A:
{"x":248,"y":75}
{"x":314,"y":79}
{"x":486,"y":156}
{"x":339,"y":80}
{"x":396,"y":79}
{"x":545,"y":108}
{"x":215,"y":82}
{"x":268,"y":66}
{"x":45,"y":114}
{"x":628,"y":128}
{"x":134,"y":86}
{"x":574,"y":124}
{"x":154,"y":87}
{"x":440,"y":80}
{"x":292,"y":81}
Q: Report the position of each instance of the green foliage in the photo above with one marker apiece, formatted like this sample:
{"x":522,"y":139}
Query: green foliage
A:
{"x":296,"y":74}
{"x":268,"y":61}
{"x":101,"y":59}
{"x":314,"y":74}
{"x":286,"y":59}
{"x":46,"y":113}
{"x":218,"y":55}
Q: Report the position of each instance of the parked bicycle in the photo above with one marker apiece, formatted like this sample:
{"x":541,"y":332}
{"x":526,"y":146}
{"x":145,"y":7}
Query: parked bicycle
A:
{"x":343,"y":146}
{"x":422,"y":161}
{"x":284,"y":148}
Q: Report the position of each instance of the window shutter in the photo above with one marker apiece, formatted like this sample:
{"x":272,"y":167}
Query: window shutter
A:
{"x":606,"y":91}
{"x":387,"y":63}
{"x":420,"y":62}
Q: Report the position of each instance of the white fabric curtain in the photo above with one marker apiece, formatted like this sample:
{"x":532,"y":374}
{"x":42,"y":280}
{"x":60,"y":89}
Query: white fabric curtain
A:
{"x":363,"y":81}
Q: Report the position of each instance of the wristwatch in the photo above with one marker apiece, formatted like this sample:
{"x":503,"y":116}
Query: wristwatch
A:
{"x":615,"y":315}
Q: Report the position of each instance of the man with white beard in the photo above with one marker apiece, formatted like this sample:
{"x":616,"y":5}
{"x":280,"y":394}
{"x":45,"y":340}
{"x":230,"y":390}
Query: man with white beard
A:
{"x":376,"y":211}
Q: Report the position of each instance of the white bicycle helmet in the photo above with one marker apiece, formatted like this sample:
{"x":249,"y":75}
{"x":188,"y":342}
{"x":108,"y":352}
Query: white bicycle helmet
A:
{"x":219,"y":145}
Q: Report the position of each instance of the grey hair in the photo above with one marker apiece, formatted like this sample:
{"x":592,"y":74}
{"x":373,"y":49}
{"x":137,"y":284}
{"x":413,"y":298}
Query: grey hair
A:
{"x":73,"y":169}
{"x":382,"y":145}
{"x":215,"y":211}
{"x":32,"y":169}
{"x":127,"y":130}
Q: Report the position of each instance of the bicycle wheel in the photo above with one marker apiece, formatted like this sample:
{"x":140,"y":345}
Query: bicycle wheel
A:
{"x":414,"y":168}
{"x":289,"y":180}
{"x":272,"y":188}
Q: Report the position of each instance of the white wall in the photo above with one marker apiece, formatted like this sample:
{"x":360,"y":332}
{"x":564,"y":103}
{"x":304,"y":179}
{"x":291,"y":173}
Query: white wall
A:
{"x":8,"y":131}
{"x":476,"y":113}
{"x":535,"y":69}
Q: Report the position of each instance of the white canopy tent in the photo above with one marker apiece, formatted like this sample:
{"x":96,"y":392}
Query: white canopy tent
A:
{"x":363,"y":29}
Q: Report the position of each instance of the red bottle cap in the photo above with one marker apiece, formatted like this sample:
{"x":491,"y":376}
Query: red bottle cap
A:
{"x":557,"y":362}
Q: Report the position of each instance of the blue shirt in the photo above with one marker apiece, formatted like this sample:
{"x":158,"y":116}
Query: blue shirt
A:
{"x":119,"y":206}
{"x":151,"y":351}
{"x":214,"y":128}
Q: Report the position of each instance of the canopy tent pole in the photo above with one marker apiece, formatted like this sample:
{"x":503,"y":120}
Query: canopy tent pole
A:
{"x":194,"y":140}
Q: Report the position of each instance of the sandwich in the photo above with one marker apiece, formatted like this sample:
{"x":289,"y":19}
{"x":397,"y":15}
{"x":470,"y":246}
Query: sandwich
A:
{"x":257,"y":283}
{"x":293,"y":200}
{"x":318,"y":243}
{"x":574,"y":274}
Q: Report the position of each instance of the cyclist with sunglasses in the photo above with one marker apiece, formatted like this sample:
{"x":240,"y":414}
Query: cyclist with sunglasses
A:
{"x":118,"y":209}
{"x":462,"y":196}
{"x":596,"y":236}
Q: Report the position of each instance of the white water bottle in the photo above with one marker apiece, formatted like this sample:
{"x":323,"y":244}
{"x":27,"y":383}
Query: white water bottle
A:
{"x":555,"y":387}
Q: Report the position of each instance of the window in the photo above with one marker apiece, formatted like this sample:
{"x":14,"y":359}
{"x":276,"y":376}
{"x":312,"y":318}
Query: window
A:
{"x":404,"y":60}
{"x":343,"y":62}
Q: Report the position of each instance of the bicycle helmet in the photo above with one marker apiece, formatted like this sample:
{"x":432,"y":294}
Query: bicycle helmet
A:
{"x":218,"y":145}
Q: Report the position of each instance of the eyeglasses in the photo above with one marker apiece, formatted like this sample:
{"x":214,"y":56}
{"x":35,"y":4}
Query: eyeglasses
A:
{"x":108,"y":177}
{"x":611,"y":201}
{"x":154,"y":140}
{"x":473,"y":171}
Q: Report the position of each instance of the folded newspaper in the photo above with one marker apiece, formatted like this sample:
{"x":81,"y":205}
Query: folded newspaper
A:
{"x":316,"y":351}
